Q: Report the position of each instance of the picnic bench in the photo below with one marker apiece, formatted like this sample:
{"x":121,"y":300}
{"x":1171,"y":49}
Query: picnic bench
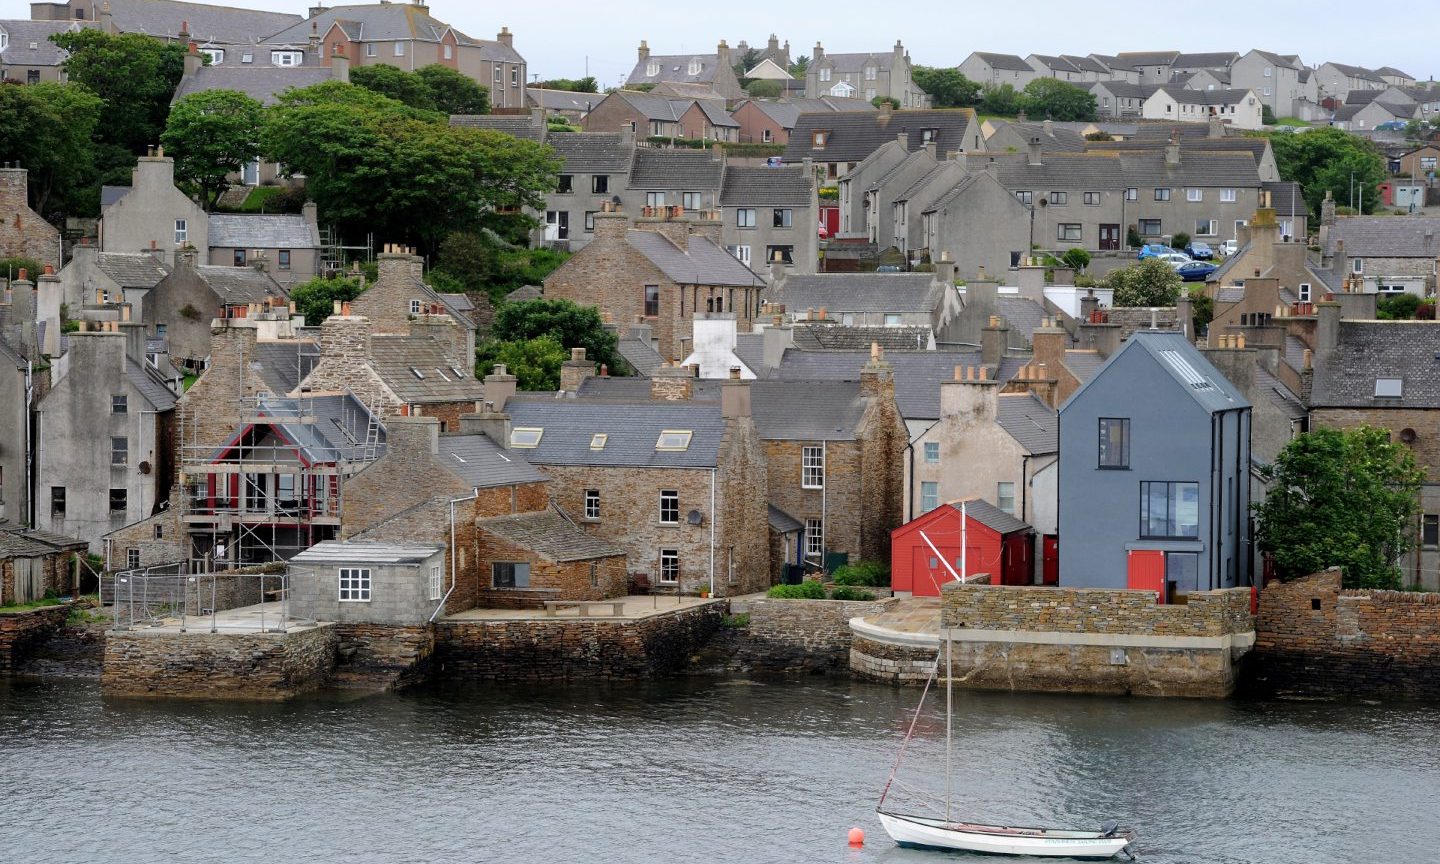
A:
{"x":583,"y":607}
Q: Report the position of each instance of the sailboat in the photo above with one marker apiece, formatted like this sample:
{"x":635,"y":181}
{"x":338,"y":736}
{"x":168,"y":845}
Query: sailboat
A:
{"x":949,"y":833}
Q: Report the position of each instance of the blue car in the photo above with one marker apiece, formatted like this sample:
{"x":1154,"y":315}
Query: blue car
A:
{"x":1151,"y":250}
{"x":1200,"y":251}
{"x":1196,"y":271}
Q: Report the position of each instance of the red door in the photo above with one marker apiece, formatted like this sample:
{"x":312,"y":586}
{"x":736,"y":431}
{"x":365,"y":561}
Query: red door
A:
{"x":1051,"y":558}
{"x":1147,"y":572}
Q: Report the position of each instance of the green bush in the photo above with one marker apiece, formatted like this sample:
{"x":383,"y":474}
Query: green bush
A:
{"x":1180,"y":241}
{"x":806,"y":590}
{"x":738,"y":621}
{"x":868,"y":574}
{"x":845,"y":592}
{"x":10,"y":268}
{"x":1076,"y":259}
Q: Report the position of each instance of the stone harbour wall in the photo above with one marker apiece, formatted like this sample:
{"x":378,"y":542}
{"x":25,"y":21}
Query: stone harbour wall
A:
{"x":1095,"y":610}
{"x":21,"y":633}
{"x":261,"y":667}
{"x":1314,"y":638}
{"x":802,"y":635}
{"x":538,"y":650}
{"x":380,"y":656}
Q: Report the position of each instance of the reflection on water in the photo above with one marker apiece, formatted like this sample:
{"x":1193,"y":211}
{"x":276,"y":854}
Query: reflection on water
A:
{"x":694,"y":770}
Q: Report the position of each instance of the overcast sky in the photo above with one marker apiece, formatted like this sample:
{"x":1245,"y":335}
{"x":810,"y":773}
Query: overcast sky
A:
{"x":557,"y":36}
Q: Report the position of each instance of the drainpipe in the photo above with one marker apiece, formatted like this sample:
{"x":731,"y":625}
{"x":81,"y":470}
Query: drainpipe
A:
{"x":1024,"y":516}
{"x":29,"y":444}
{"x":824,"y":500}
{"x":453,"y":553}
{"x":712,"y":532}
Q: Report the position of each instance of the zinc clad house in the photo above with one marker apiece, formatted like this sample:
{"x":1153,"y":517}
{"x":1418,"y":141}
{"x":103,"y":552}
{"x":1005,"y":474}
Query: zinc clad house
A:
{"x":771,"y":212}
{"x":1154,"y":468}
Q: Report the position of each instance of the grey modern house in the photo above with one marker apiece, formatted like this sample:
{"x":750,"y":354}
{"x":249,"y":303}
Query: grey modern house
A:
{"x":1154,"y":467}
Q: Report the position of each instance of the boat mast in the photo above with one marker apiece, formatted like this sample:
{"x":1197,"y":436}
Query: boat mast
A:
{"x":949,"y":672}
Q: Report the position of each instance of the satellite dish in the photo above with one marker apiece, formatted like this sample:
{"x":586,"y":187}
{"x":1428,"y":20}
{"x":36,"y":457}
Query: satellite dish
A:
{"x":1407,"y":435}
{"x":1044,"y":202}
{"x":144,"y":467}
{"x":694,"y":517}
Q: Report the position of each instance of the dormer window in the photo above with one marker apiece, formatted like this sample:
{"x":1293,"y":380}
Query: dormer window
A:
{"x":524,"y":438}
{"x":652,"y":69}
{"x":695,"y":67}
{"x":674,"y":439}
{"x":285,"y":58}
{"x":216,"y":55}
{"x":818,"y":139}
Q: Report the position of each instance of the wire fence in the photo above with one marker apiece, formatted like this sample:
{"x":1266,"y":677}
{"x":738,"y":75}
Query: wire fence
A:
{"x":227,"y":601}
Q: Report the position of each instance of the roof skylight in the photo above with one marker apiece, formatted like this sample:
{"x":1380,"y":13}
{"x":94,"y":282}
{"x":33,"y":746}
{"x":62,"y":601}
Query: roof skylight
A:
{"x":674,"y":439}
{"x":525,"y":436}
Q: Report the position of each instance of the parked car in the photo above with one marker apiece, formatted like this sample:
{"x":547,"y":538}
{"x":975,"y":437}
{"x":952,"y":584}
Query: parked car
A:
{"x":888,"y":268}
{"x":1229,"y":247}
{"x":1196,"y":271}
{"x":1200,"y":251}
{"x":1151,"y":250}
{"x":1173,"y":258}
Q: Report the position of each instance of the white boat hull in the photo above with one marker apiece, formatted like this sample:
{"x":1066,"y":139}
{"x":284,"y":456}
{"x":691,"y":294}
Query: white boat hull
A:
{"x":1001,"y":840}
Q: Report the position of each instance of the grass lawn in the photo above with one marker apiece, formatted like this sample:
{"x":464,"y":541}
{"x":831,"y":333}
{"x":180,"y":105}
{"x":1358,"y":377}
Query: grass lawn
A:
{"x":34,"y":604}
{"x":1291,"y":121}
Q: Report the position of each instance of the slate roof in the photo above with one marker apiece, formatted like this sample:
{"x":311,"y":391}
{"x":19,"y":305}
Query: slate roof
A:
{"x":1386,"y":236}
{"x":395,"y":358}
{"x":1356,"y":72}
{"x":365,"y":552}
{"x":787,"y":186}
{"x":261,"y":83}
{"x":1393,"y":72}
{"x":285,"y":364}
{"x":1186,"y":96}
{"x":925,"y":180}
{"x":632,"y":429}
{"x":562,"y":100}
{"x":591,"y":152}
{"x":750,"y":348}
{"x":263,"y":231}
{"x":807,"y":410}
{"x":860,"y":292}
{"x":152,"y":389}
{"x":1196,"y":168}
{"x":917,"y":373}
{"x":1056,"y":64}
{"x":990,"y":516}
{"x":207,"y":23}
{"x":483,"y":464}
{"x":1126,"y":90}
{"x":525,"y":292}
{"x":1361,"y":97}
{"x":641,"y":356}
{"x":856,"y":62}
{"x":1204,"y":60}
{"x":782,"y":522}
{"x":239,"y":284}
{"x":18,"y":542}
{"x":1256,"y":147}
{"x":1086,"y":64}
{"x":372,"y":22}
{"x":338,"y":433}
{"x":1286,"y":198}
{"x":700,"y":263}
{"x":550,"y":535}
{"x":838,"y":337}
{"x":1083,"y":363}
{"x":22,"y":34}
{"x":714,"y":111}
{"x":786,"y":111}
{"x":1282,"y":60}
{"x":1368,"y":350}
{"x":1148,"y":58}
{"x":1295,"y":352}
{"x":515,"y":125}
{"x":1021,"y":313}
{"x":110,"y":194}
{"x":675,"y":68}
{"x":1032,"y":423}
{"x":694,"y":170}
{"x":1278,"y":394}
{"x":1058,"y":139}
{"x":855,"y":135}
{"x":1008,"y":62}
{"x":131,"y":269}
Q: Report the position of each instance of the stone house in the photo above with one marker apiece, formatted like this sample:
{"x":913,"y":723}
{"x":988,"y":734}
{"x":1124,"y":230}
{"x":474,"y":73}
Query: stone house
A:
{"x":679,"y":484}
{"x":842,"y":140}
{"x":95,"y":278}
{"x":15,"y":437}
{"x":864,"y":76}
{"x":23,"y":233}
{"x":714,"y":71}
{"x":646,"y":115}
{"x":287,"y":246}
{"x":105,"y":436}
{"x":151,"y":213}
{"x":368,"y":582}
{"x":660,"y":178}
{"x":994,"y":70}
{"x":34,"y":562}
{"x":1390,"y":254}
{"x":661,"y":270}
{"x":399,"y":299}
{"x":569,"y":104}
{"x":1265,"y":253}
{"x":28,"y":55}
{"x":767,"y":121}
{"x":771,"y":212}
{"x":872,"y":299}
{"x":1421,"y":162}
{"x":1154,"y":468}
{"x":181,"y":305}
{"x":1237,"y":107}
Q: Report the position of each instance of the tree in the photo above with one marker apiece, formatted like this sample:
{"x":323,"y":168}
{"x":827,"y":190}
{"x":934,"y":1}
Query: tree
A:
{"x":404,"y":87}
{"x":1267,"y":116}
{"x":799,"y":66}
{"x":316,"y":298}
{"x":1345,"y":497}
{"x":454,"y":93}
{"x":948,"y":87}
{"x":47,"y":128}
{"x":1202,"y":309}
{"x":1397,"y":307}
{"x":569,"y":324}
{"x":763,"y":88}
{"x":534,"y":362}
{"x":1151,"y":282}
{"x":133,"y":74}
{"x":10,"y":268}
{"x":1322,"y":160}
{"x":746,"y":62}
{"x":1180,"y":241}
{"x":588,"y":84}
{"x":1076,"y":259}
{"x":882,"y":101}
{"x":1053,"y":98}
{"x":1003,"y":100}
{"x":212,"y":135}
{"x":485,"y":263}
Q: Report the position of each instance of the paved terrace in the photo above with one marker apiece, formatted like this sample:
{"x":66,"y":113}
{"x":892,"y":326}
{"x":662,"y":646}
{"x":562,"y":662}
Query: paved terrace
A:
{"x":263,"y":617}
{"x":636,"y":607}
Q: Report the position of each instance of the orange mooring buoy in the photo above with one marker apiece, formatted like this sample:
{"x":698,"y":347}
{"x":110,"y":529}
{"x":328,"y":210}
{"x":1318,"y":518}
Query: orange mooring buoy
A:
{"x":857,"y":837}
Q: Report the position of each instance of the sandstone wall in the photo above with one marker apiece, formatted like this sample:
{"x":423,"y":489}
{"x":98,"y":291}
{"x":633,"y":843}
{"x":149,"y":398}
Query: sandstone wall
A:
{"x":803,"y":635}
{"x":381,"y":657}
{"x":22,"y":632}
{"x":258,"y":667}
{"x":1095,"y":610}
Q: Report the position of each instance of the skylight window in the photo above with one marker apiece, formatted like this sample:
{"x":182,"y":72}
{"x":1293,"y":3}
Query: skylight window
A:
{"x":459,"y":376}
{"x":441,"y":373}
{"x":525,"y":437}
{"x":418,"y":373}
{"x":674,"y":439}
{"x":1187,"y":373}
{"x":598,"y":441}
{"x":1389,"y":388}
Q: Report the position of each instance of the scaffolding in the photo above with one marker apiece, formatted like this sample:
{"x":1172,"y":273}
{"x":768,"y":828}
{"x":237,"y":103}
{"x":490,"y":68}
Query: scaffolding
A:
{"x":274,"y":486}
{"x":335,"y":255}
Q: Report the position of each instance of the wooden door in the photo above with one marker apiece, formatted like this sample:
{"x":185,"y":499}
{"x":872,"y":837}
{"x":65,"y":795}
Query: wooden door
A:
{"x":29,"y":579}
{"x":1109,"y":238}
{"x":1050,"y":569}
{"x":1146,"y":572}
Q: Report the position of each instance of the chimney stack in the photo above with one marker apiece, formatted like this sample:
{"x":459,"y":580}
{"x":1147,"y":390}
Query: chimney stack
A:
{"x":993,"y":341}
{"x":1035,"y":151}
{"x":672,"y":383}
{"x":735,"y":396}
{"x":574,"y":371}
{"x":500,"y":385}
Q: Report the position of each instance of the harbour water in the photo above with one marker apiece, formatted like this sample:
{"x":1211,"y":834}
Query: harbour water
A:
{"x":712,"y":770}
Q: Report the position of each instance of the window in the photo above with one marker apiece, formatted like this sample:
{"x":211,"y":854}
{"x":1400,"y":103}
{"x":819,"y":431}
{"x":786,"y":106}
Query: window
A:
{"x":285,"y":58}
{"x":869,"y":73}
{"x":119,"y":450}
{"x":132,"y":558}
{"x":652,"y":69}
{"x":217,"y":55}
{"x":784,"y":217}
{"x":57,"y":500}
{"x":783,"y":254}
{"x":892,"y":319}
{"x":159,"y":532}
{"x":1227,"y":195}
{"x":119,"y":500}
{"x":652,"y":301}
{"x":515,"y":76}
{"x":1267,"y":93}
{"x":589,"y":220}
{"x":592,"y":503}
{"x":1389,"y":388}
{"x":526,"y":437}
{"x":818,"y":137}
{"x":669,"y":507}
{"x":1114,"y":442}
{"x":399,"y":49}
{"x":745,"y":217}
{"x":1025,"y":197}
{"x":1206,"y":227}
{"x":119,"y":403}
{"x":766,"y":136}
{"x":1304,"y":291}
{"x":181,"y":234}
{"x":1069,"y":231}
{"x":690,"y":200}
{"x":1005,"y":496}
{"x":1357,"y":266}
{"x":415,"y":307}
{"x":1427,"y":163}
{"x":1092,"y":199}
{"x":32,"y":76}
{"x":597,"y":441}
{"x":825,"y":74}
{"x":812,"y":468}
{"x":449,"y":51}
{"x":565,"y":184}
{"x":370,"y":49}
{"x":283,"y":259}
{"x":654,"y":199}
{"x":1162,"y":194}
{"x":1194,"y":194}
{"x":1132,"y":194}
{"x":1169,"y":510}
{"x":694,"y":68}
{"x":1059,"y":199}
{"x":1269,"y":71}
{"x":814,"y":537}
{"x":742,"y":253}
{"x":600,"y":183}
{"x":929,"y":495}
{"x":670,"y":565}
{"x":437,"y":582}
{"x":239,"y":257}
{"x":932,"y":452}
{"x":510,"y":574}
{"x":673,"y":439}
{"x":1430,"y":530}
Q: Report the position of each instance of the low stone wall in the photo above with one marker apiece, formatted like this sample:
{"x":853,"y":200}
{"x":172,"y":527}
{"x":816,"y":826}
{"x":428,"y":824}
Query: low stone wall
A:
{"x":382,"y":657}
{"x":802,"y":635}
{"x":21,"y":633}
{"x":536,"y":650}
{"x":1313,"y":638}
{"x":1095,"y":610}
{"x":231,"y":666}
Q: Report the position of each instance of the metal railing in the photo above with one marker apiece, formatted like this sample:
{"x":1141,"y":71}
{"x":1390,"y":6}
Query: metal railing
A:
{"x":166,"y":596}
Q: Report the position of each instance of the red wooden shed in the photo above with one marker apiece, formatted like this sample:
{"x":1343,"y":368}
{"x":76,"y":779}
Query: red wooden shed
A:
{"x":995,"y":543}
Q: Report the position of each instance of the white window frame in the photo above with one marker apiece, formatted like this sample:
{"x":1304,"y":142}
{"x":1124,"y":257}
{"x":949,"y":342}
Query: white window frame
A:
{"x":285,"y":58}
{"x":670,"y":505}
{"x":931,"y":447}
{"x":1212,"y":230}
{"x":695,"y":67}
{"x":1227,"y":196}
{"x":814,"y":537}
{"x":371,"y":50}
{"x":1357,"y":266}
{"x":437,"y":582}
{"x":1193,"y":195}
{"x":742,"y":253}
{"x":1069,"y":232}
{"x":871,"y":73}
{"x":929,"y":495}
{"x":825,"y":74}
{"x":592,"y":504}
{"x":399,"y":49}
{"x":745,"y":217}
{"x":670,"y":566}
{"x":353,"y":584}
{"x":1303,"y":290}
{"x":1000,"y":496}
{"x":415,"y":307}
{"x":812,"y":467}
{"x":449,"y":51}
{"x":652,"y":69}
{"x":182,"y":232}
